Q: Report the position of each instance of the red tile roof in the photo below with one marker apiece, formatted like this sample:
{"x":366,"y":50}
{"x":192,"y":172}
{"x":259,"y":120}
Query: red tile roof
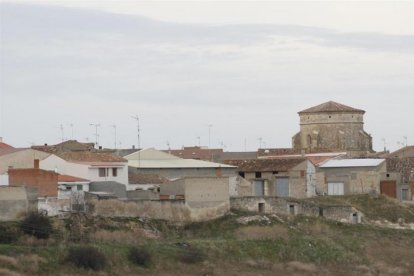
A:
{"x":69,"y":178}
{"x":87,"y":156}
{"x":5,"y":146}
{"x":331,"y":107}
{"x":266,"y":165}
{"x":195,"y":153}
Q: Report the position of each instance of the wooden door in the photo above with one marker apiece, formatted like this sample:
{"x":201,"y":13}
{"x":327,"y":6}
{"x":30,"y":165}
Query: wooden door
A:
{"x":389,"y":188}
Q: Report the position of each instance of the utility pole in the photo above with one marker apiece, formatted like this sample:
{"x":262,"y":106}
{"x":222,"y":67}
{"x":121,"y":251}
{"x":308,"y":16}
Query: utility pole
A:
{"x":114,"y":126}
{"x":96,"y":125}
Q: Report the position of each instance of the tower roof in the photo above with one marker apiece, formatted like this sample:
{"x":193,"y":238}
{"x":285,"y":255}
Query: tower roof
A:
{"x":331,"y":107}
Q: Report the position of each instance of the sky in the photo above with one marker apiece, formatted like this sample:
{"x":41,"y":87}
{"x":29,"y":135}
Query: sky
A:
{"x":225,"y":74}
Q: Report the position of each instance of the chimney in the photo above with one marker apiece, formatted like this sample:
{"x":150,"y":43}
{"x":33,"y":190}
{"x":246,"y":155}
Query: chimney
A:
{"x":133,"y":146}
{"x":36,"y":163}
{"x":1,"y":139}
{"x":45,"y":144}
{"x":100,"y":147}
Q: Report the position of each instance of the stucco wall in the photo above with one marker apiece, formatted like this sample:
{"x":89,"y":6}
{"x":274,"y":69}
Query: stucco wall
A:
{"x":23,"y":159}
{"x":15,"y":201}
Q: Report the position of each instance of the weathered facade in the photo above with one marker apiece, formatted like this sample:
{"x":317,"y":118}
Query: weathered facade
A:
{"x":350,"y":176}
{"x":283,"y":206}
{"x":333,"y":127}
{"x":283,"y":177}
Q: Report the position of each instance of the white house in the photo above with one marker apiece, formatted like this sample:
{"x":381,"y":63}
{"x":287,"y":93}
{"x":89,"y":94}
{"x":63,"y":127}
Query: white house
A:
{"x":93,"y":166}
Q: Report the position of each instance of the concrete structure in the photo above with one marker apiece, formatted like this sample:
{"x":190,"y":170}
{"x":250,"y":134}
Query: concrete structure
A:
{"x":44,"y":181}
{"x":333,"y":127}
{"x":198,"y":192}
{"x":151,"y":161}
{"x":283,"y":177}
{"x":350,"y":176}
{"x":16,"y":201}
{"x":110,"y":187}
{"x":184,"y":200}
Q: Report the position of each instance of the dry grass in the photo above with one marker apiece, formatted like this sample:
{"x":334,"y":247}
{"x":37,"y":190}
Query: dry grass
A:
{"x":261,"y":232}
{"x":6,"y":272}
{"x":120,"y":236}
{"x":6,"y":261}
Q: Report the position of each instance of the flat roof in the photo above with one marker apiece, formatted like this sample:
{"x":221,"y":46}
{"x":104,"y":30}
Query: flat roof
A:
{"x":346,"y":163}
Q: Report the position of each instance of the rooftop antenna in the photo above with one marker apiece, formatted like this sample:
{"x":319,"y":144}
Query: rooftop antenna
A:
{"x":385,"y":144}
{"x":198,"y":138}
{"x":62,"y":132}
{"x":114,"y":126}
{"x":139,"y":145}
{"x":96,"y":125}
{"x":405,"y":140}
{"x":260,"y":142}
{"x":71,"y":128}
{"x":209,"y":135}
{"x":245,"y":144}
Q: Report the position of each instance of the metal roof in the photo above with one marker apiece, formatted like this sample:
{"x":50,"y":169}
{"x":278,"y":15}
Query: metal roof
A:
{"x":346,"y":163}
{"x":155,"y":159}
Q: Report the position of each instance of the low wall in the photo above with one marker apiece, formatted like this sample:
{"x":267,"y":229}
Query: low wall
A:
{"x":343,"y":213}
{"x":172,"y":210}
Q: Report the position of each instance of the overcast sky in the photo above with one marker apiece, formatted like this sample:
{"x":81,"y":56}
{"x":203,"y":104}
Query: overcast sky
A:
{"x":246,"y":68}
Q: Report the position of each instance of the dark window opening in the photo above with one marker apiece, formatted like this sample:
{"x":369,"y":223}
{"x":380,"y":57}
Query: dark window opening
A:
{"x":321,"y":212}
{"x":261,"y":207}
{"x":114,"y":171}
{"x":330,"y":117}
{"x":102,"y":172}
{"x":292,"y":209}
{"x":258,"y":174}
{"x":275,"y":172}
{"x":241,"y":174}
{"x":388,"y":175}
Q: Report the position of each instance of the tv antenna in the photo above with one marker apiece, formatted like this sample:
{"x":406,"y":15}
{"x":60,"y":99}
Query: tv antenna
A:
{"x":96,"y":125}
{"x":138,"y":138}
{"x":114,"y":126}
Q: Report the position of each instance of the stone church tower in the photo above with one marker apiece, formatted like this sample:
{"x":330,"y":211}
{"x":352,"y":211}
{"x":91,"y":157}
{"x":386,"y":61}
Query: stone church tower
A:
{"x":333,"y":126}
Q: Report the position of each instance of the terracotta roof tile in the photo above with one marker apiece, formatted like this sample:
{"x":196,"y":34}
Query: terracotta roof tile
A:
{"x":5,"y":146}
{"x":331,"y":107}
{"x":266,"y":165}
{"x":87,"y":156}
{"x":69,"y":178}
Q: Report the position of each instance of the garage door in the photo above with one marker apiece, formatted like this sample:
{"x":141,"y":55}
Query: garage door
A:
{"x":282,"y":187}
{"x":389,"y":188}
{"x":335,"y":188}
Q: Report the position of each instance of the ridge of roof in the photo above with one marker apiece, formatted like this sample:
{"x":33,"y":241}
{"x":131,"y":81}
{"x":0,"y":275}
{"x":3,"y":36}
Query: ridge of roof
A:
{"x":331,"y":106}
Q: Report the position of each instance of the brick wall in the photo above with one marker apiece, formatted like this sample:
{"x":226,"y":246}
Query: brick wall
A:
{"x":44,"y":181}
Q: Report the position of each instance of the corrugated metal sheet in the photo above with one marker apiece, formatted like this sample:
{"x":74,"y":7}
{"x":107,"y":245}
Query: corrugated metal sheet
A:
{"x":345,"y":163}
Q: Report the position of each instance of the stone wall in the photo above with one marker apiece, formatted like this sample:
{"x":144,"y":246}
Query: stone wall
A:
{"x":343,"y":213}
{"x":172,"y":210}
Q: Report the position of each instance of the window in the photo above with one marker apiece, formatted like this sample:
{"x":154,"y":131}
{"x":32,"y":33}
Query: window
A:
{"x":241,"y":174}
{"x":102,"y":172}
{"x":258,"y":174}
{"x":79,"y":187}
{"x":115,"y":172}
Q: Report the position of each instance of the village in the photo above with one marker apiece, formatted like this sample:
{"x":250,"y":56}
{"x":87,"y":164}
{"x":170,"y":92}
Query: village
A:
{"x":331,"y":155}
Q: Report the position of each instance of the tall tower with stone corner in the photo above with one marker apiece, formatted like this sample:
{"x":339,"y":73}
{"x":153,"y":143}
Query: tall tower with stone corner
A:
{"x":332,"y":126}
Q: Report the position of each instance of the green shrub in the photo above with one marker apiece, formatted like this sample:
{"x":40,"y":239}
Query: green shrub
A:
{"x":192,"y":255}
{"x":139,"y":256}
{"x":86,"y":257}
{"x":37,"y":225}
{"x":7,"y":236}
